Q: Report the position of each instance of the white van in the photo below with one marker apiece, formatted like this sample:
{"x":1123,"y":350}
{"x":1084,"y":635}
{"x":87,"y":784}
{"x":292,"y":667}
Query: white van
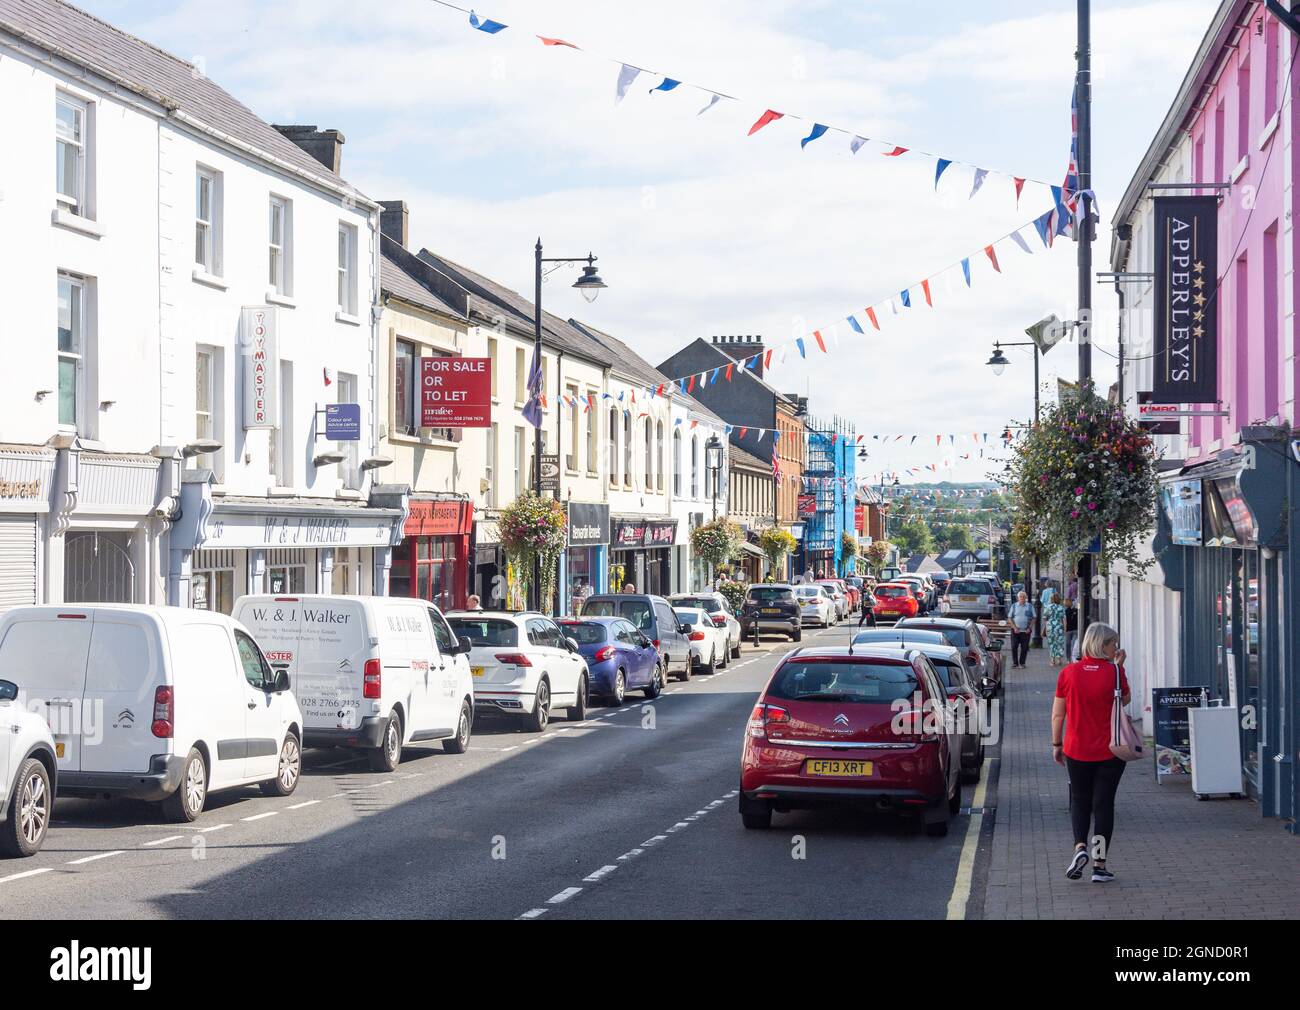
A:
{"x":154,"y":703}
{"x":373,"y":672}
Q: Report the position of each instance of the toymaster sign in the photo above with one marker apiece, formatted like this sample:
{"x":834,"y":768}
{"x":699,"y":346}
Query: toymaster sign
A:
{"x":1187,"y":277}
{"x":261,"y":354}
{"x":455,"y":392}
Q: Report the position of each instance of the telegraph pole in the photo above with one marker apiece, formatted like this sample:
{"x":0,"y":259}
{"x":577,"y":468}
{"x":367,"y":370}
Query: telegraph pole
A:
{"x":1083,"y":86}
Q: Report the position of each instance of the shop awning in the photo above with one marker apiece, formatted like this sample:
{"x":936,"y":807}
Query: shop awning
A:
{"x":751,"y":550}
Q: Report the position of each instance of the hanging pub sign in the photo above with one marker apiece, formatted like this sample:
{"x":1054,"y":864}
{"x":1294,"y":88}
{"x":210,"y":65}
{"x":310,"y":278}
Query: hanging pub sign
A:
{"x":455,"y":392}
{"x":807,"y":504}
{"x":259,"y":333}
{"x":1186,"y":316}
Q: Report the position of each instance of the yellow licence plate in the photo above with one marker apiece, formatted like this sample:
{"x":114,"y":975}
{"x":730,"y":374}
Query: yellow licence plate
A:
{"x":477,"y":671}
{"x":58,"y":750}
{"x":969,"y":599}
{"x":771,"y":610}
{"x":828,"y":768}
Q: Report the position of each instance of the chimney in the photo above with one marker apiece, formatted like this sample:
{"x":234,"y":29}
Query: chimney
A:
{"x":741,"y":348}
{"x":326,"y":146}
{"x":394,"y":220}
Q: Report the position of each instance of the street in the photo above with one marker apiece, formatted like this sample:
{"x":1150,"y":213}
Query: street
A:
{"x":629,"y":815}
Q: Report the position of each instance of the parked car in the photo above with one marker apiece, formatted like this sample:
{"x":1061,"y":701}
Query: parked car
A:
{"x":771,"y":607}
{"x":719,"y":611}
{"x":925,"y":595}
{"x":897,"y":600}
{"x":965,"y":634}
{"x":190,"y":704}
{"x":940,"y":580}
{"x":964,"y":697}
{"x":835,"y":590}
{"x":970,"y":598}
{"x":375,"y":673}
{"x":710,"y":650}
{"x":653,"y":616}
{"x":827,"y":730}
{"x":897,"y":634}
{"x":888,"y":574}
{"x":619,"y":657}
{"x":523,"y":665}
{"x":816,"y":606}
{"x":28,"y":775}
{"x":993,"y":648}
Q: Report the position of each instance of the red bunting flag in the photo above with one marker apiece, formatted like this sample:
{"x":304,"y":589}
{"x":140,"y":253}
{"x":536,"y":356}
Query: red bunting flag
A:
{"x":897,"y":152}
{"x":767,"y":361}
{"x":820,"y":342}
{"x":694,"y":422}
{"x":937,"y":438}
{"x":993,"y":257}
{"x":767,"y":117}
{"x":871,"y":314}
{"x":925,"y":286}
{"x":742,"y":432}
{"x":691,"y":387}
{"x":660,"y":390}
{"x":1020,"y":185}
{"x":729,"y":368}
{"x":556,"y":42}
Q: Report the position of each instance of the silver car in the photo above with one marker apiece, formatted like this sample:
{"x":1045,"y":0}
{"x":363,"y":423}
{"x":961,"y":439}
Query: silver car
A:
{"x":970,"y":598}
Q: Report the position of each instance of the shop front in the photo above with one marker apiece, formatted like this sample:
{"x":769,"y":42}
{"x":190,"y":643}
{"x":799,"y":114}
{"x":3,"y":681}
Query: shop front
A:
{"x":583,"y":570}
{"x":488,"y":581}
{"x":26,"y":473}
{"x":432,"y":561}
{"x":225,"y":548}
{"x":1229,"y":549}
{"x":641,"y":554}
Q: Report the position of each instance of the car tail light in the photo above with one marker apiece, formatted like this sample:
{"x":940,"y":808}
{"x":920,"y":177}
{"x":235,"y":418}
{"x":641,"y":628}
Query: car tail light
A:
{"x":164,"y":712}
{"x":371,"y":679}
{"x":697,"y":636}
{"x":765,"y":715}
{"x":912,"y":724}
{"x":513,"y":659}
{"x":719,"y":620}
{"x":604,"y":653}
{"x":973,"y":656}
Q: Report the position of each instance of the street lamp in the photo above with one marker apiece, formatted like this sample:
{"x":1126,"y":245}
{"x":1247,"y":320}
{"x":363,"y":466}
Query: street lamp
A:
{"x":999,"y":361}
{"x":590,"y":285}
{"x":713,"y":463}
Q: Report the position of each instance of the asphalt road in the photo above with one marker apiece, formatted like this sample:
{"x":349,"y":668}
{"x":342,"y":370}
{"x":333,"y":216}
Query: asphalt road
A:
{"x":632,"y":814}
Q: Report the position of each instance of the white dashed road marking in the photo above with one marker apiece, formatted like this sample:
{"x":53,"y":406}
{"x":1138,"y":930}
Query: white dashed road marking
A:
{"x":100,"y":855}
{"x":299,"y":806}
{"x":563,"y":896}
{"x":163,"y":841}
{"x":215,"y":827}
{"x":534,"y":913}
{"x":603,"y":872}
{"x":25,"y":873}
{"x":260,"y":817}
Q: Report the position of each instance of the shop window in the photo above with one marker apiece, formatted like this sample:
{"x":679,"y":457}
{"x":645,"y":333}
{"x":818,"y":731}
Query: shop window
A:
{"x":612,"y":446}
{"x":405,"y":382}
{"x":213,"y":590}
{"x":659,"y":455}
{"x":286,"y":579}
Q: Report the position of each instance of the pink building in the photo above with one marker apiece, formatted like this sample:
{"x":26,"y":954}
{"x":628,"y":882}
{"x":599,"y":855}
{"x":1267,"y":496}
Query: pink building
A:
{"x":1222,"y":608}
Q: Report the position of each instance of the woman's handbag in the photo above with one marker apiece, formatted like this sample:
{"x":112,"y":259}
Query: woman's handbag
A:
{"x":1125,"y":741}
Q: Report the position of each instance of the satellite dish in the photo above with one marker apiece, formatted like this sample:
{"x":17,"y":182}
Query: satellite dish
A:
{"x":1047,"y":333}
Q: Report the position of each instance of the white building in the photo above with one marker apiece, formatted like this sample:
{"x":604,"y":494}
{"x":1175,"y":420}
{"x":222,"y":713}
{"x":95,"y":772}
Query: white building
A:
{"x":212,"y":286}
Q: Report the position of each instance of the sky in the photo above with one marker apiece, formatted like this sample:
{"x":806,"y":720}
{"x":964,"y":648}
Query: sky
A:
{"x":700,"y":230}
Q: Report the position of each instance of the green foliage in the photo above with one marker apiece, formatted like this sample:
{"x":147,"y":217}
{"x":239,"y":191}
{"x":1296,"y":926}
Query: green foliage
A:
{"x":776,"y":543}
{"x":734,"y":592}
{"x":848,"y":545}
{"x":878,"y":552}
{"x":717,"y":542}
{"x":534,"y":529}
{"x":913,"y":537}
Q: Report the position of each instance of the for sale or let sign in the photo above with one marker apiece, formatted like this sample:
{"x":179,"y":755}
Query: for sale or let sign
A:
{"x":455,"y":392}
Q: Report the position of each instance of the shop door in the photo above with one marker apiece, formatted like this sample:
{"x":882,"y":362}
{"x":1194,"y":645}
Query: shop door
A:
{"x":17,"y":561}
{"x":1248,"y":693}
{"x":97,"y":568}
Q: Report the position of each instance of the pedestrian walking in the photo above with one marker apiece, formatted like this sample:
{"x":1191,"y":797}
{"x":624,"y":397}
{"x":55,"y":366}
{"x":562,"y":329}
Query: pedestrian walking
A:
{"x":1081,"y":736}
{"x":1071,"y":629}
{"x":473,"y":603}
{"x":628,"y":588}
{"x":1021,"y":617}
{"x":1054,"y":629}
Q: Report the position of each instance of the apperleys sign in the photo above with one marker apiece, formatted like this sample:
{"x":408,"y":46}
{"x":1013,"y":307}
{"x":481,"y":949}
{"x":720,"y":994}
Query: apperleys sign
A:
{"x":1186,"y":303}
{"x":260,"y":346}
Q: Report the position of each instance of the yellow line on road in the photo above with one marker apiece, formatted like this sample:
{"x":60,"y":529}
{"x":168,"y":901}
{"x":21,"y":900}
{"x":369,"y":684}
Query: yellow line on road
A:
{"x":966,"y":864}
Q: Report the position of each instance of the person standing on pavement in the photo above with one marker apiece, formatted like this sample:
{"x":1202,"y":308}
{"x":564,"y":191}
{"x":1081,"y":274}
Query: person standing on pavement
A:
{"x":1081,"y":715}
{"x":1054,"y":629}
{"x":1021,"y":617}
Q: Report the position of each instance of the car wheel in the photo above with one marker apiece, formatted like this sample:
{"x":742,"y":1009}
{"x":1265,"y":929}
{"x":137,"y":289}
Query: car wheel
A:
{"x":541,"y":713}
{"x":685,"y":675}
{"x":388,"y":755}
{"x":186,"y":803}
{"x":756,"y":815}
{"x":620,"y":689}
{"x":954,"y":801}
{"x":289,"y":771}
{"x":578,"y":711}
{"x":796,"y":635}
{"x":656,"y":682}
{"x":735,"y":652}
{"x":712,"y":665}
{"x":459,"y":744}
{"x":23,"y":832}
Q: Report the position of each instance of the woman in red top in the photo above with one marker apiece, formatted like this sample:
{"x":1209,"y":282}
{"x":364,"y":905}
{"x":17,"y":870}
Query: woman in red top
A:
{"x":1085,"y":695}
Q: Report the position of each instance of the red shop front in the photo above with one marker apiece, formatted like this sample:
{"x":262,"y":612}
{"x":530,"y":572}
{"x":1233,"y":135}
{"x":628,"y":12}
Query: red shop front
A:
{"x":431,"y":563}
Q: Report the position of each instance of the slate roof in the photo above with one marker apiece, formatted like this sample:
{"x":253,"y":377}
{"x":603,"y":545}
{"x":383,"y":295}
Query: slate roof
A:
{"x":399,"y":276}
{"x":146,"y":70}
{"x":488,"y":299}
{"x":738,"y":455}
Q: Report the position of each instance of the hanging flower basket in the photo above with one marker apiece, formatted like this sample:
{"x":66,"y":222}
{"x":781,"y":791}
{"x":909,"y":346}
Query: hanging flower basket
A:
{"x":776,"y":543}
{"x":717,"y":542}
{"x":1086,"y":472}
{"x":534,"y":529}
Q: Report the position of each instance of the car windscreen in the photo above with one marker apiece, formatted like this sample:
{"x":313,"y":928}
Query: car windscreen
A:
{"x":768,"y":594}
{"x":893,"y":592}
{"x":691,"y":617}
{"x":812,"y":591}
{"x":956,"y":637}
{"x":485,"y":631}
{"x":899,"y":635}
{"x":585,"y":632}
{"x":870,"y":682}
{"x":970,"y":587}
{"x":705,"y":603}
{"x":949,"y":672}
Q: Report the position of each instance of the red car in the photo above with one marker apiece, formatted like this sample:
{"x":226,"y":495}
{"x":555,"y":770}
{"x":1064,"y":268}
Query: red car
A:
{"x":867,"y":727}
{"x":896,"y":599}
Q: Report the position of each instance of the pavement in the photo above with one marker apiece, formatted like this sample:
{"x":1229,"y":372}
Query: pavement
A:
{"x":1174,"y":857}
{"x":631,"y":814}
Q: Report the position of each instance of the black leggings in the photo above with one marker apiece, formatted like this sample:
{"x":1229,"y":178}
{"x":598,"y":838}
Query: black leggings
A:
{"x":1019,"y":647}
{"x":1092,"y":798}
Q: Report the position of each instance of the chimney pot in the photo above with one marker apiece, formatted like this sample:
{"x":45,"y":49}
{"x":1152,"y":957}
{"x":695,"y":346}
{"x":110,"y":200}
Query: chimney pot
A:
{"x":326,"y":146}
{"x":394,"y":221}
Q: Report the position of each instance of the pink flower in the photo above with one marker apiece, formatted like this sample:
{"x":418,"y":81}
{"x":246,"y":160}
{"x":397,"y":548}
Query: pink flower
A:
{"x":1078,"y":490}
{"x":1092,"y":506}
{"x":1074,"y":514}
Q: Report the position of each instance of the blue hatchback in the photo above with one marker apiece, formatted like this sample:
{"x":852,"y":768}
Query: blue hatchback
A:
{"x":619,"y":657}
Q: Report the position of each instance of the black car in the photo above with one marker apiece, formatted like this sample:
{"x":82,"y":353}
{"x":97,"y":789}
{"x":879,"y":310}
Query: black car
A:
{"x":771,"y":607}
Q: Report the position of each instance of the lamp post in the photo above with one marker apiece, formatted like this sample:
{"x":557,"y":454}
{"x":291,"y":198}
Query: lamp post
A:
{"x":713,"y":463}
{"x":590,"y":285}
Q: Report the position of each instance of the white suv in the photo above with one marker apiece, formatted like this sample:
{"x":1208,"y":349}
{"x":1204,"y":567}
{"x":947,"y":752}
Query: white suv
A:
{"x":28,"y":773}
{"x":523,"y":665}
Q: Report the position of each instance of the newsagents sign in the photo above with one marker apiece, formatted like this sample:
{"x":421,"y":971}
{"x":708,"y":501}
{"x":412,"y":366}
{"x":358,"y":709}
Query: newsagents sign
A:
{"x":1186,"y":316}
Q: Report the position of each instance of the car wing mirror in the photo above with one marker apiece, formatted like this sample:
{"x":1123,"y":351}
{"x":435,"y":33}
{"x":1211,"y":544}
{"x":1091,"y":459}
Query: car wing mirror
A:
{"x":8,"y":690}
{"x":571,"y":644}
{"x":463,"y":647}
{"x":278,"y":682}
